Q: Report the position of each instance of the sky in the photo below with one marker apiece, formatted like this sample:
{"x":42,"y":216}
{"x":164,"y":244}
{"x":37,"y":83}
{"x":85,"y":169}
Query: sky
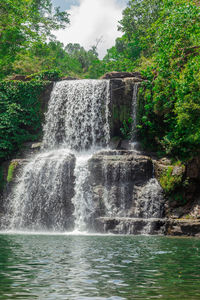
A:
{"x":91,"y":20}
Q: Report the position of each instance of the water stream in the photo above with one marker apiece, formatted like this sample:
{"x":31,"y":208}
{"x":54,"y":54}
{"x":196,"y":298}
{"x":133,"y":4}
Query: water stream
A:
{"x":55,"y":190}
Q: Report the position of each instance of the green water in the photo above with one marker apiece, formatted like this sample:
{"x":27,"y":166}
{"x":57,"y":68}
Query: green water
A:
{"x":98,"y":267}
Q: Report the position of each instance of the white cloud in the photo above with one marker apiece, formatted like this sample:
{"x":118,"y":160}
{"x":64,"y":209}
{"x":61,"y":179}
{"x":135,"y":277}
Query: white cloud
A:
{"x":91,"y":20}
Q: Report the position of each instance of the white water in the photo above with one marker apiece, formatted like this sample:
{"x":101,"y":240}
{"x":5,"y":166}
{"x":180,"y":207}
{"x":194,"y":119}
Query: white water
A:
{"x":120,"y":191}
{"x":77,"y":116}
{"x":82,"y":200}
{"x":134,"y":110}
{"x":76,"y":125}
{"x":115,"y":196}
{"x":54,"y":192}
{"x":39,"y":200}
{"x":134,"y":143}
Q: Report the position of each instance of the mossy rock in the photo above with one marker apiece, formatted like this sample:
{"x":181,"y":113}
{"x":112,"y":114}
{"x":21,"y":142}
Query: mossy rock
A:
{"x":170,"y":179}
{"x":11,"y":170}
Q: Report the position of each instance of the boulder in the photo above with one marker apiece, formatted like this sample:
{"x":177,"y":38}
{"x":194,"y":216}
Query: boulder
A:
{"x":36,"y":146}
{"x":161,"y":166}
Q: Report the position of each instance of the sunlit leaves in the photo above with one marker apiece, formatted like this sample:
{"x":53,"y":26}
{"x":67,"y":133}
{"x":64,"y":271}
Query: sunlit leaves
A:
{"x":23,"y":22}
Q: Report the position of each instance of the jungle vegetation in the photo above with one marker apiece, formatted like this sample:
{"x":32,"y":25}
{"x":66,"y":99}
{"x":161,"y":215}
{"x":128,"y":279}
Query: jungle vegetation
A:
{"x":161,"y":39}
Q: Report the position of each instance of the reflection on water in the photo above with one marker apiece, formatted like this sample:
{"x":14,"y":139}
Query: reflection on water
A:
{"x":98,"y":267}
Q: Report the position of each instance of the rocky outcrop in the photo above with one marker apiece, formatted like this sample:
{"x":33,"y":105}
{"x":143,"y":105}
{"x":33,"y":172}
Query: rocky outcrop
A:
{"x":135,"y":226}
{"x":179,"y":180}
{"x":44,"y":98}
{"x":183,"y":227}
{"x":123,"y":187}
{"x":112,"y":75}
{"x":193,"y":168}
{"x":121,"y":102}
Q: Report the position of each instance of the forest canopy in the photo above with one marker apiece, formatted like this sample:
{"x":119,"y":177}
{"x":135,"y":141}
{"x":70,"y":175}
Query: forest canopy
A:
{"x":160,"y":38}
{"x":22,"y":24}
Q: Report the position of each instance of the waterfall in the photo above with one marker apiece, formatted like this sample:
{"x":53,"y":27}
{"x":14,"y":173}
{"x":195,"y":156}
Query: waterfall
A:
{"x":76,"y":180}
{"x":122,"y":189}
{"x":134,"y":142}
{"x":77,"y":115}
{"x":42,"y":198}
{"x":134,"y":110}
{"x":53,"y":192}
{"x":82,"y":200}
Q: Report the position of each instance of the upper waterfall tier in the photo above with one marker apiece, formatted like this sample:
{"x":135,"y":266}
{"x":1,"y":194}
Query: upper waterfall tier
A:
{"x":78,"y":115}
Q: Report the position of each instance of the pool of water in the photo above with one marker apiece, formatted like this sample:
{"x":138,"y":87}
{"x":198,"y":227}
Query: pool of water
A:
{"x":98,"y":267}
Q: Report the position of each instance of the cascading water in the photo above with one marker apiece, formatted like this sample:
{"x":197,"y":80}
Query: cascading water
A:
{"x":48,"y":196}
{"x":134,"y":110}
{"x":77,"y":115}
{"x":82,"y":199}
{"x":134,"y":142}
{"x":75,"y":180}
{"x":42,"y":197}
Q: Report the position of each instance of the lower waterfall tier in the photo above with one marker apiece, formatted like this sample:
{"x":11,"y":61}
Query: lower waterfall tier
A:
{"x":109,"y":191}
{"x":41,"y":196}
{"x":124,"y":192}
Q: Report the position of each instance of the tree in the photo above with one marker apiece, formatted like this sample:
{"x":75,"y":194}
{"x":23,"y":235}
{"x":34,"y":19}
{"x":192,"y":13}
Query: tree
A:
{"x":46,"y":56}
{"x":84,"y":57}
{"x":137,"y":19}
{"x":22,"y":23}
{"x":171,"y":100}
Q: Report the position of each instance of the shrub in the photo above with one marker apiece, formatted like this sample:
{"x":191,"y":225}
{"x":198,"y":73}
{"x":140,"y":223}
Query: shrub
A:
{"x":20,"y":114}
{"x":168,"y":181}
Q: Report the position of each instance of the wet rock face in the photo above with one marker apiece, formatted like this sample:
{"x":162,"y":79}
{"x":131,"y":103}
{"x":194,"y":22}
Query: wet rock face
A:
{"x":120,"y":165}
{"x":180,"y":227}
{"x":123,"y":187}
{"x":42,"y":200}
{"x":193,"y":168}
{"x":121,"y":102}
{"x":133,"y":226}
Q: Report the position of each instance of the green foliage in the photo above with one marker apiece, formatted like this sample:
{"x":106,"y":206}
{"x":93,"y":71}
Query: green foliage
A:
{"x":125,"y":55}
{"x":46,"y":56}
{"x":126,"y":130}
{"x":170,"y":182}
{"x":161,"y":40}
{"x":85,"y":58}
{"x":51,"y":75}
{"x":20,"y":115}
{"x":53,"y":57}
{"x":170,"y":111}
{"x":11,"y":170}
{"x":22,"y":23}
{"x":137,"y":19}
